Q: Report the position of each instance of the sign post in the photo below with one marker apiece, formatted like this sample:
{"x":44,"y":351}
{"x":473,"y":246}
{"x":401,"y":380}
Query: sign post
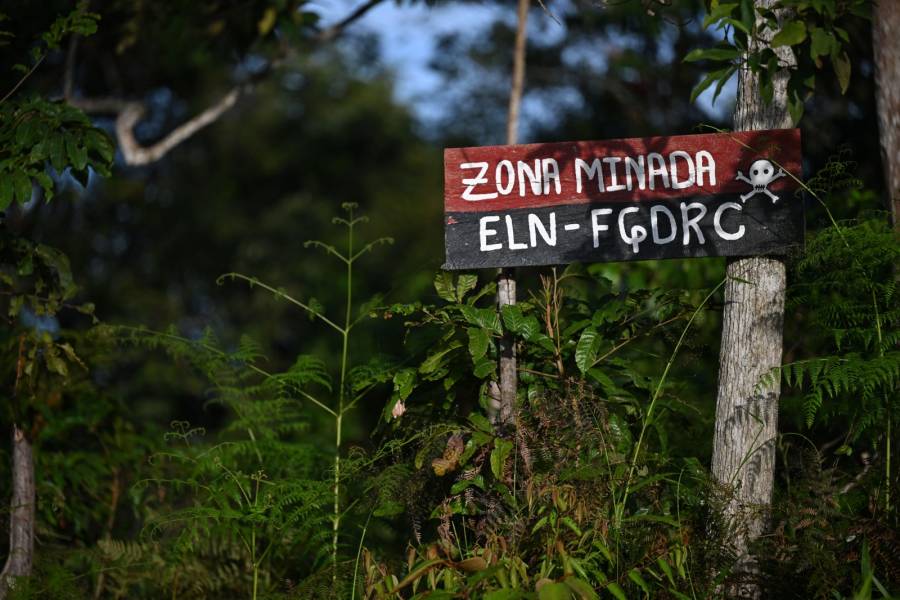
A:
{"x":722,"y":194}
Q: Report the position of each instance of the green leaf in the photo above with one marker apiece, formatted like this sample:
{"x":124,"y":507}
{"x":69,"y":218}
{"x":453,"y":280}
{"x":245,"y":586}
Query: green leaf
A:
{"x":434,"y":361}
{"x":718,"y":54}
{"x":481,"y":422}
{"x":56,"y":152}
{"x":502,"y":449}
{"x":512,"y":317}
{"x":791,"y":34}
{"x":555,"y":591}
{"x":76,"y":153}
{"x":822,"y":43}
{"x":6,"y":191}
{"x":795,"y":107}
{"x":459,"y":486}
{"x":719,"y":11}
{"x":443,"y":284}
{"x":486,"y":318}
{"x":483,"y":368}
{"x":581,"y":589}
{"x":22,"y":186}
{"x":841,"y":64}
{"x":666,"y":568}
{"x":478,"y":342}
{"x":719,"y":75}
{"x":635,"y":576}
{"x":620,"y":433}
{"x":46,"y":184}
{"x":465,"y":284}
{"x":586,"y":349}
{"x":404,"y":381}
{"x":616,"y":590}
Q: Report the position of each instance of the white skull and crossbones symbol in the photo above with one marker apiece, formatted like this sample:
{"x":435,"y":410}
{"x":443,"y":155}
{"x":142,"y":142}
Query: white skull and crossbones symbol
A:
{"x":762,"y":173}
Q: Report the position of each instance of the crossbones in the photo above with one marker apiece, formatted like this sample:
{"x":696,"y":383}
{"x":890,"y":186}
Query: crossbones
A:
{"x":762,"y":173}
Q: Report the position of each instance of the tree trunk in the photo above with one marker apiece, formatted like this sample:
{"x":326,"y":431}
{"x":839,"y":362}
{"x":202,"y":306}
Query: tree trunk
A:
{"x":746,"y":423}
{"x":885,"y":25}
{"x":21,"y":513}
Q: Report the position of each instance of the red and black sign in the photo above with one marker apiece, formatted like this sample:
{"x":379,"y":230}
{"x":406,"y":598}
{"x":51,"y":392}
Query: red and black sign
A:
{"x":723,"y":194}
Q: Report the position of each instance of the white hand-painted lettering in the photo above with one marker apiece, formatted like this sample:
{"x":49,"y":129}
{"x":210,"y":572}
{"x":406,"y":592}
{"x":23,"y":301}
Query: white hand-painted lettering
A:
{"x":717,"y":222}
{"x":535,"y":224}
{"x":474,"y":181}
{"x":596,"y":225}
{"x":484,"y":232}
{"x":637,"y":234}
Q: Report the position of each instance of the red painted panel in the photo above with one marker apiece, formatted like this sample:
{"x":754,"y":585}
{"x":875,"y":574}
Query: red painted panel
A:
{"x":540,"y":175}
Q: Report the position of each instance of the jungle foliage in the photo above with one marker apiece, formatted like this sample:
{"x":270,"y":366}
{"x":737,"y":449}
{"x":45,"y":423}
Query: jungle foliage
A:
{"x":319,"y":421}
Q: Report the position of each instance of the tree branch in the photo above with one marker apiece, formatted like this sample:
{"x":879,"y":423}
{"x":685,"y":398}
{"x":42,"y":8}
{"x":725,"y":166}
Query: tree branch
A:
{"x":327,"y":35}
{"x":129,"y":113}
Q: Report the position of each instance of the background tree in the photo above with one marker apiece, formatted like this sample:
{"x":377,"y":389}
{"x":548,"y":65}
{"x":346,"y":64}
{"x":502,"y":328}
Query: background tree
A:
{"x":886,"y":19}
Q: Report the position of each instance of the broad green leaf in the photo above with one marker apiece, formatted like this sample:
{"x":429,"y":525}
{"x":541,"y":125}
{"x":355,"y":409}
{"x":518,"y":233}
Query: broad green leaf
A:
{"x":791,"y":34}
{"x":822,"y":43}
{"x":443,"y":284}
{"x":404,"y":381}
{"x":481,"y":422}
{"x":76,"y":153}
{"x":512,"y":317}
{"x":459,"y":486}
{"x":478,"y":342}
{"x":465,"y":284}
{"x":484,"y":367}
{"x":486,"y":318}
{"x":57,"y":152}
{"x":499,"y":454}
{"x":586,"y":349}
{"x":841,"y":64}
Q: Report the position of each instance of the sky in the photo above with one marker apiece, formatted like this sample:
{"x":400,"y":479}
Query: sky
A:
{"x":407,"y":34}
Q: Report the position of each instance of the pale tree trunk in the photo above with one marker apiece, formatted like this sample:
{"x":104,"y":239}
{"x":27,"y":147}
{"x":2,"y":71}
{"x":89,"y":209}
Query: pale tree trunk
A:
{"x":885,"y":28}
{"x":21,"y":513}
{"x":746,"y":423}
{"x":506,"y":279}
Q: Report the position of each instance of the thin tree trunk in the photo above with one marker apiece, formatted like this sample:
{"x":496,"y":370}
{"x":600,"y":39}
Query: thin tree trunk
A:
{"x":746,"y":423}
{"x":21,"y":513}
{"x":506,"y":279}
{"x":885,"y":25}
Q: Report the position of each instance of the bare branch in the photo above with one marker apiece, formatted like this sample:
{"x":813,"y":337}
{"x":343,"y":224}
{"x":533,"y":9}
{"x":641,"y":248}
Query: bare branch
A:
{"x":327,"y":35}
{"x":129,"y":113}
{"x":135,"y":154}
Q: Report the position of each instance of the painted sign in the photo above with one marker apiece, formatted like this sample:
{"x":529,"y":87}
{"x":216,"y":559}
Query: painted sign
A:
{"x":723,"y":194}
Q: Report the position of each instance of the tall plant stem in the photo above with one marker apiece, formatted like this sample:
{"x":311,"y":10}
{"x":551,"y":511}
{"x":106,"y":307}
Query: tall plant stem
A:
{"x":339,"y":413}
{"x":620,"y":507}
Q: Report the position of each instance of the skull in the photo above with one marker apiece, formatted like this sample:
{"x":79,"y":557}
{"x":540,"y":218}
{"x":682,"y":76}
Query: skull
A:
{"x":761,"y":173}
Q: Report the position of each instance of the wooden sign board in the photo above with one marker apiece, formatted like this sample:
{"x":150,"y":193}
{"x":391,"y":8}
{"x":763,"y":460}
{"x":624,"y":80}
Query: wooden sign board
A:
{"x":723,"y":194}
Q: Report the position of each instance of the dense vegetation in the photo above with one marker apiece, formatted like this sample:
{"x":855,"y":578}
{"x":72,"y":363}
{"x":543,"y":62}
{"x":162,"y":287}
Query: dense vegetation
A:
{"x":244,"y":375}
